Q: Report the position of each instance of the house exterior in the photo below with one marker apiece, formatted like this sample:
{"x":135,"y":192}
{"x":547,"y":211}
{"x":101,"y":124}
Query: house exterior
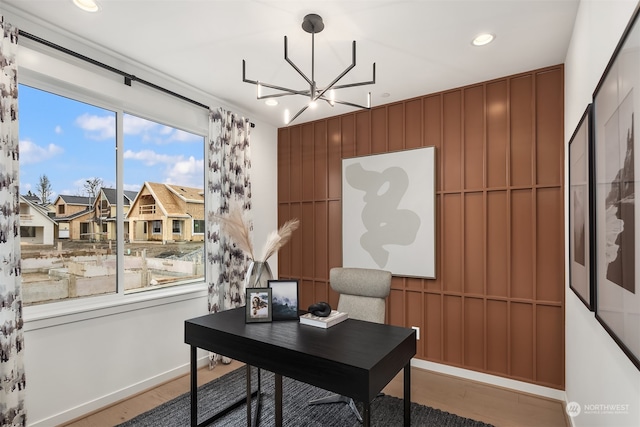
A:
{"x":74,"y":215}
{"x":106,"y":208}
{"x":36,"y":226}
{"x":166,"y":212}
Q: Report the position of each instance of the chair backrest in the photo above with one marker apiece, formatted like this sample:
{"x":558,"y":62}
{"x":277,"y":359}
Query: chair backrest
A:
{"x":362,"y":292}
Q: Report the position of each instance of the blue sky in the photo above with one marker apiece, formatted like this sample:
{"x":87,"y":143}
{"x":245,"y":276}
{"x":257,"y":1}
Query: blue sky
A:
{"x":71,"y":142}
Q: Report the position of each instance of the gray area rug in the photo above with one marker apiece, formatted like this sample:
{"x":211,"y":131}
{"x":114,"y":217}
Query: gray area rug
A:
{"x":385,"y":410}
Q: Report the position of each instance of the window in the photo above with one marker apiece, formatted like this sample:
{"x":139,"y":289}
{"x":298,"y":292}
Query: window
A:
{"x":198,"y":226}
{"x":27,"y":232}
{"x":161,"y":175}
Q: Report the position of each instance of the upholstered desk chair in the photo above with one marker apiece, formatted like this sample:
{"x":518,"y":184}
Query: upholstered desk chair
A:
{"x":362,"y":294}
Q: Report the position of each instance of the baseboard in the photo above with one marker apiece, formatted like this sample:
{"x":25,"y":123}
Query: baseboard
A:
{"x":494,"y":380}
{"x":95,"y":405}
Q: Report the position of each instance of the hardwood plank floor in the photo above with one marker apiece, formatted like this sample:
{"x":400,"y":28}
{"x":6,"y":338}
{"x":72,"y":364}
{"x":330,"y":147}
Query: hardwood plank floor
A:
{"x":466,"y":398}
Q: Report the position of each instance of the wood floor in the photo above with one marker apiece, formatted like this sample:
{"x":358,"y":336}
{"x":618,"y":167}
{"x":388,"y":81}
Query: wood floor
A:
{"x":493,"y":405}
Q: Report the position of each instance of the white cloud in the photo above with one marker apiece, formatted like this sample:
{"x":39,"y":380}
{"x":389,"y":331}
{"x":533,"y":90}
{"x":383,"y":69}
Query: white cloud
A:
{"x":133,"y":125}
{"x":98,"y":127}
{"x":58,"y":129}
{"x":189,"y":172}
{"x":32,"y":153}
{"x":156,"y":133}
{"x":150,"y":157}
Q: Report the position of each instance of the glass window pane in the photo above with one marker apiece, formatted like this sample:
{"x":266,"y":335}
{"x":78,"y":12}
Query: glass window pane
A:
{"x":164,"y":173}
{"x":67,"y":160}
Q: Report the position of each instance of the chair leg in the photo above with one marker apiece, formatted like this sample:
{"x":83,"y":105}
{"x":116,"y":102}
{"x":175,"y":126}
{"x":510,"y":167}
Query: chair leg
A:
{"x":336,"y":398}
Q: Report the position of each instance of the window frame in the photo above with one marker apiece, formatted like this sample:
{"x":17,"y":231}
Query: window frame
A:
{"x":193,"y":226}
{"x":63,"y":76}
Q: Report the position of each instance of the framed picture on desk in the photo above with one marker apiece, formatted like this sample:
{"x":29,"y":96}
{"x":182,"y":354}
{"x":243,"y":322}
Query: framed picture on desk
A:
{"x":258,"y":307}
{"x":284,"y":297}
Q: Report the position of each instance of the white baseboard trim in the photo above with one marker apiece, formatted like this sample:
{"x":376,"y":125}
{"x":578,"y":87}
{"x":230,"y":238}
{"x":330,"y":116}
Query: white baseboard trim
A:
{"x":112,"y":398}
{"x":494,"y":380}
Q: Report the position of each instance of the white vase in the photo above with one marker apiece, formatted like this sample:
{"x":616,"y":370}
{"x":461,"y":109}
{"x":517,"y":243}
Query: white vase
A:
{"x":258,"y":275}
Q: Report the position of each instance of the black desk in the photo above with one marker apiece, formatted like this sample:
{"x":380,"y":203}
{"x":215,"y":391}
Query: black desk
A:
{"x":354,"y":358}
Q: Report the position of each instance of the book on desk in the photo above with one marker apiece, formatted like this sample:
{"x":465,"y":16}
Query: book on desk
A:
{"x":324,"y":322}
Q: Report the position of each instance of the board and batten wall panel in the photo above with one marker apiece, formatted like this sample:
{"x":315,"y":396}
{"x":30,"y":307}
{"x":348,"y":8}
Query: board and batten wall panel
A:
{"x":496,"y":304}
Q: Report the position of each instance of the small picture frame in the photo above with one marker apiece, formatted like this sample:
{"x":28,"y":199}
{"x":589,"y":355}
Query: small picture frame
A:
{"x":284,"y":299}
{"x":258,"y":307}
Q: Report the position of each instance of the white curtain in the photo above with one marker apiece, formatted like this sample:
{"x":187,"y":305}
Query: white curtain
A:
{"x":227,"y":182}
{"x":12,"y":378}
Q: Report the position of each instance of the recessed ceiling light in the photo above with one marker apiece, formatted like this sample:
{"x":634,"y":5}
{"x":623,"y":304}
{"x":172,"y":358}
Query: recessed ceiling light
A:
{"x":87,"y":5}
{"x":271,"y":102}
{"x":483,"y":39}
{"x":385,"y":95}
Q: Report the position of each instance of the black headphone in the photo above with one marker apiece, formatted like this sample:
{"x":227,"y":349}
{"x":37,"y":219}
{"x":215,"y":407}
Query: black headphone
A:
{"x":320,"y":309}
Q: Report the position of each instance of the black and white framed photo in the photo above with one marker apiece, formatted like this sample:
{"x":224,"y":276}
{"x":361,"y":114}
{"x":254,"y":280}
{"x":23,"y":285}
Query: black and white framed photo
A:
{"x":258,"y":308}
{"x":616,"y":116}
{"x":581,"y":279}
{"x":284,"y":297}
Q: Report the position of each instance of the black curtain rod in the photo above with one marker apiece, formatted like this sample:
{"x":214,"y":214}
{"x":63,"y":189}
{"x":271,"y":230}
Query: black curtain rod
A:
{"x":128,"y":78}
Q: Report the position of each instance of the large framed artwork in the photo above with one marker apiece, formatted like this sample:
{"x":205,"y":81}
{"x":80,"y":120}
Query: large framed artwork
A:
{"x":616,"y":115}
{"x":388,"y":212}
{"x":581,"y":280}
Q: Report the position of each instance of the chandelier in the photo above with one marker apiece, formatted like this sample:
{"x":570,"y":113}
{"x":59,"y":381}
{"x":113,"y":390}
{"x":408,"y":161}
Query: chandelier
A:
{"x":313,"y":24}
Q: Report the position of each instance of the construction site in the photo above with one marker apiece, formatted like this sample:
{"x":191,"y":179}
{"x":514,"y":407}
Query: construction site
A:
{"x":72,"y":269}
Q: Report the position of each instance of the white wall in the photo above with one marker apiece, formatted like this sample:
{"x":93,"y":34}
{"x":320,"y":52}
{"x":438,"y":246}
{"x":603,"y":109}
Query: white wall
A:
{"x":597,"y":371}
{"x":82,"y":355}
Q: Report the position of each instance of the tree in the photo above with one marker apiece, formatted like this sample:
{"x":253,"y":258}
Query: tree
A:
{"x":44,"y":189}
{"x":92,"y":186}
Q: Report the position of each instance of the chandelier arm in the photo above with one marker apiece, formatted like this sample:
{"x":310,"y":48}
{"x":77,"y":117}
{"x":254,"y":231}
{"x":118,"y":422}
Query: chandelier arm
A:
{"x":271,"y":86}
{"x":281,"y":94}
{"x":283,"y":89}
{"x":341,"y":75}
{"x":298,"y":113}
{"x":370,"y":82}
{"x":351,"y":104}
{"x":295,"y":67}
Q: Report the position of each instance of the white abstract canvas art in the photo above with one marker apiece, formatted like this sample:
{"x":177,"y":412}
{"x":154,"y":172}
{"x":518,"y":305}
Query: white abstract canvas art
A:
{"x":388,"y":212}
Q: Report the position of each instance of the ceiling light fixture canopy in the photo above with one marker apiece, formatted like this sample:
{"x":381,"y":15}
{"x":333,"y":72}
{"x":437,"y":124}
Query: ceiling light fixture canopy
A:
{"x":312,"y":24}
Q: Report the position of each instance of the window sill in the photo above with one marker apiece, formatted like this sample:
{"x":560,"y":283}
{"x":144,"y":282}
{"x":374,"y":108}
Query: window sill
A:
{"x":63,"y":312}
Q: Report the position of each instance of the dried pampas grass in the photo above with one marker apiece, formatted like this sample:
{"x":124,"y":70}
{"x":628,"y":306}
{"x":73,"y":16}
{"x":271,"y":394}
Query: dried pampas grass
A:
{"x":235,"y":226}
{"x":237,"y":229}
{"x":279,"y":238}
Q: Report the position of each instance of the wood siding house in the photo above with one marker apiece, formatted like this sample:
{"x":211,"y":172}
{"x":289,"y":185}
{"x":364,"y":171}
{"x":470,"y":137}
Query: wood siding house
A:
{"x":74,"y":215}
{"x":166,"y":213}
{"x":106,"y":208}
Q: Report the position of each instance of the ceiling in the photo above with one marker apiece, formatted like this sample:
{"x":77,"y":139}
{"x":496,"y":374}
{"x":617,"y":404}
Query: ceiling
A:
{"x":419,"y":47}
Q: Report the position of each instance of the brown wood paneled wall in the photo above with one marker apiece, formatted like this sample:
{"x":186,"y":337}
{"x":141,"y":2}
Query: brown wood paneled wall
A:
{"x":497,"y":303}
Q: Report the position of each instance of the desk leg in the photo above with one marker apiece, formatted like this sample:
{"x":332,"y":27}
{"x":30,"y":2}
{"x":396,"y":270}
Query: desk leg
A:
{"x":194,"y":387}
{"x":278,"y":408}
{"x":366,"y":414}
{"x":407,"y":394}
{"x":248,"y":395}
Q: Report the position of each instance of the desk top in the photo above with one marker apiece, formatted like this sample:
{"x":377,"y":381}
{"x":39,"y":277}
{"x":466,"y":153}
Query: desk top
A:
{"x":361,"y":352}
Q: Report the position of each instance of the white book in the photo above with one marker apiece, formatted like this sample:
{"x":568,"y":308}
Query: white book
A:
{"x":324,"y":322}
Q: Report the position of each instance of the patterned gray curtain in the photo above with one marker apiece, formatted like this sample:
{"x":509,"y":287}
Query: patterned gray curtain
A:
{"x":228,"y":182}
{"x":12,"y":378}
